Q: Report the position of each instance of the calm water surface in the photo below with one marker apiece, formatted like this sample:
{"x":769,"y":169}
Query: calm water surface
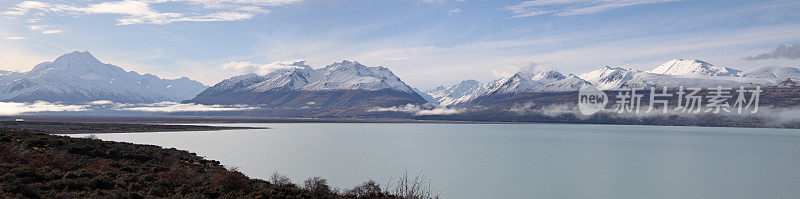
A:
{"x":514,"y":160}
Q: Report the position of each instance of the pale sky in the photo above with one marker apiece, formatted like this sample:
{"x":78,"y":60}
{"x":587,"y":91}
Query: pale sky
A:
{"x":425,"y":42}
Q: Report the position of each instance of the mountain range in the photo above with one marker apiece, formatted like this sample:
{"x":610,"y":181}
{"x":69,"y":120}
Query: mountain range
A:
{"x":674,"y":73}
{"x":343,"y":84}
{"x":78,"y":77}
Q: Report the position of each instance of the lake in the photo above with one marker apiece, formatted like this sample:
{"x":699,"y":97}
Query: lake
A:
{"x":512,"y":160}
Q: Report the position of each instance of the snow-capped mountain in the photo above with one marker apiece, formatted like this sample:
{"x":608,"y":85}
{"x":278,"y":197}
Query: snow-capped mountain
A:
{"x":774,"y":72}
{"x":461,"y":92}
{"x":345,"y":75}
{"x":537,"y":81}
{"x":349,"y":75}
{"x":689,"y":73}
{"x":78,"y":77}
{"x":691,"y":67}
{"x":609,"y":77}
{"x":518,"y":82}
{"x":301,"y":85}
{"x":547,"y":81}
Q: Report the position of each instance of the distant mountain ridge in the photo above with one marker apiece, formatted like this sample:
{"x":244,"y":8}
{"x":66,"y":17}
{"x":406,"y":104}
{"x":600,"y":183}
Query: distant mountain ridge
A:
{"x":78,"y":77}
{"x":673,"y":73}
{"x":341,"y":84}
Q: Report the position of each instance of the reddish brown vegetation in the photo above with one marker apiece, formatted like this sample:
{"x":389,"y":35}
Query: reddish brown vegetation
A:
{"x":38,"y":165}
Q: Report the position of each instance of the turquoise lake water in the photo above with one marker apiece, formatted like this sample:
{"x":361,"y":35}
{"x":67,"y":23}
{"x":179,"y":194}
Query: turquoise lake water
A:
{"x":513,"y":160}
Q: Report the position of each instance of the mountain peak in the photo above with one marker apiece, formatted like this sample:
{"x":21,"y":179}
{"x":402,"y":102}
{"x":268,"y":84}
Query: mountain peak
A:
{"x":70,"y":60}
{"x":692,"y":67}
{"x":549,"y":75}
{"x":690,"y":60}
{"x":344,"y":64}
{"x":75,"y":57}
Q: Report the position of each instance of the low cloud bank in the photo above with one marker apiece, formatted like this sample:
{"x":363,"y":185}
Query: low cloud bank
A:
{"x":772,"y":115}
{"x":418,"y":110}
{"x":16,"y":108}
{"x":173,"y":107}
{"x":101,"y":102}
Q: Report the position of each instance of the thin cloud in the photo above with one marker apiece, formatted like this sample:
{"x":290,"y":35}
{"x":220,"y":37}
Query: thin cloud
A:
{"x":572,"y":7}
{"x":15,"y":38}
{"x":783,"y":51}
{"x":241,"y":68}
{"x":141,"y":12}
{"x":18,"y":108}
{"x":453,"y":11}
{"x":44,"y":29}
{"x":511,"y":69}
{"x":51,"y":31}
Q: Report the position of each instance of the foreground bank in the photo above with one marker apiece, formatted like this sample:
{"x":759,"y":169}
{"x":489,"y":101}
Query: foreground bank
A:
{"x":39,"y":165}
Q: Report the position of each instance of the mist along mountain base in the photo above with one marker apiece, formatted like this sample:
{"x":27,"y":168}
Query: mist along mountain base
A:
{"x":106,"y":127}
